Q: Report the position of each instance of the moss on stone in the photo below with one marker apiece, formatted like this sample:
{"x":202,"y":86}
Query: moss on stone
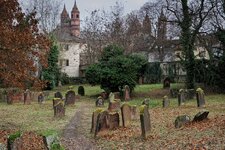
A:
{"x":181,"y":90}
{"x":56,"y":99}
{"x":165,"y":97}
{"x":99,"y":110}
{"x":142,"y":108}
{"x":13,"y":137}
{"x":199,"y":90}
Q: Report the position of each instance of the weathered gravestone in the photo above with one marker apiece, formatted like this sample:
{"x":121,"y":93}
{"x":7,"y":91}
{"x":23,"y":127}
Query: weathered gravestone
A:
{"x":116,"y":95}
{"x":94,"y":119}
{"x":146,"y":102}
{"x":99,"y":102}
{"x":134,"y":112}
{"x":182,"y":120}
{"x":145,"y":121}
{"x":114,"y":105}
{"x":126,"y":93}
{"x":200,"y":96}
{"x":81,"y":91}
{"x":27,"y":97}
{"x":200,"y":116}
{"x":111,"y":96}
{"x":114,"y":120}
{"x":58,"y":95}
{"x":102,"y":122}
{"x":166,"y":102}
{"x":70,"y":98}
{"x":181,"y":97}
{"x":126,"y":114}
{"x":41,"y":98}
{"x":59,"y":109}
{"x":104,"y":95}
{"x":166,"y":82}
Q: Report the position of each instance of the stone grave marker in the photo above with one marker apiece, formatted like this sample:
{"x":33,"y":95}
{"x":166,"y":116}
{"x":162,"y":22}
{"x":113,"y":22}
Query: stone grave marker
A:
{"x":59,"y":109}
{"x":126,"y":114}
{"x":113,"y":120}
{"x":116,"y":95}
{"x":145,"y":121}
{"x":114,"y":105}
{"x":70,"y":98}
{"x":166,"y":82}
{"x":27,"y":97}
{"x":41,"y":98}
{"x":104,"y":95}
{"x":55,"y":101}
{"x":166,"y":102}
{"x":200,"y":96}
{"x":134,"y":112}
{"x":102,"y":122}
{"x":81,"y":91}
{"x":126,"y":93}
{"x":99,"y":102}
{"x":181,"y":97}
{"x":111,"y":96}
{"x":146,"y":102}
{"x":58,"y":95}
{"x":94,"y":119}
{"x":200,"y":116}
{"x":182,"y":120}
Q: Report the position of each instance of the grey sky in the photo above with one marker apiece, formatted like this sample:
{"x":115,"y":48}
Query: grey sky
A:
{"x":86,"y":6}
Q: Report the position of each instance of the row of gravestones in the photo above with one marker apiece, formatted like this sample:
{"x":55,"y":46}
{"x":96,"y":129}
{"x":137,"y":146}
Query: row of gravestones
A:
{"x":200,"y":97}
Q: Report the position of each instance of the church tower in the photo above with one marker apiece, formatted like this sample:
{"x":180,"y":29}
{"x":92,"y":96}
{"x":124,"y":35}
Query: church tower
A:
{"x":75,"y":21}
{"x":65,"y":18}
{"x":147,"y":28}
{"x":162,"y":26}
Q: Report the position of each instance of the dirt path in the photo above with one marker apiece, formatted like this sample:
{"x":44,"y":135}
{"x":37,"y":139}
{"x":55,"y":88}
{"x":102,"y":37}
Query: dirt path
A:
{"x":73,"y":135}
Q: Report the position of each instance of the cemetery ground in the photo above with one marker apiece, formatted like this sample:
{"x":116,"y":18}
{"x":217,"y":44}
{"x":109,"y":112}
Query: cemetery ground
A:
{"x":74,"y":128}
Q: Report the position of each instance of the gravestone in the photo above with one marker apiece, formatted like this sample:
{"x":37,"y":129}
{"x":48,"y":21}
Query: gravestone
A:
{"x":134,"y":112}
{"x":166,"y":102}
{"x":200,"y":96}
{"x":126,"y":93}
{"x":113,"y":120}
{"x":111,"y":96}
{"x":126,"y":114}
{"x":70,"y":98}
{"x":58,"y":95}
{"x":102,"y":122}
{"x":146,"y":102}
{"x":94,"y":119}
{"x":27,"y":97}
{"x":145,"y":121}
{"x":99,"y":102}
{"x":104,"y":95}
{"x":59,"y":109}
{"x":200,"y":116}
{"x":41,"y":98}
{"x":182,"y":120}
{"x":114,"y":105}
{"x":166,"y":83}
{"x":12,"y":97}
{"x":116,"y":95}
{"x":181,"y":97}
{"x":81,"y":91}
{"x":55,"y":101}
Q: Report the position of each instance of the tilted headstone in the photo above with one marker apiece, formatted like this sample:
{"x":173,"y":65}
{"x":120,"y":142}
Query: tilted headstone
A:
{"x":145,"y":121}
{"x":41,"y":98}
{"x":181,"y":97}
{"x":166,"y":102}
{"x":102,"y":122}
{"x":146,"y":102}
{"x":59,"y":109}
{"x":113,"y":120}
{"x":27,"y":97}
{"x":126,"y":93}
{"x":99,"y":102}
{"x":94,"y":119}
{"x":182,"y":120}
{"x":200,"y":116}
{"x":114,"y":105}
{"x":166,"y":82}
{"x":70,"y":98}
{"x":200,"y":96}
{"x":126,"y":114}
{"x":111,"y":96}
{"x":58,"y":95}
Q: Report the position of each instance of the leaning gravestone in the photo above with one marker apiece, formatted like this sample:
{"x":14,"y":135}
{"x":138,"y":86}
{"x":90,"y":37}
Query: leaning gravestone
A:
{"x":27,"y":97}
{"x":201,"y":116}
{"x":126,"y":93}
{"x":41,"y":98}
{"x":102,"y":122}
{"x":166,"y":83}
{"x":200,"y":96}
{"x":145,"y":121}
{"x":55,"y":101}
{"x":111,"y":96}
{"x":94,"y":119}
{"x":114,"y":105}
{"x":104,"y":95}
{"x":181,"y":97}
{"x":58,"y":95}
{"x":166,"y":102}
{"x":59,"y":109}
{"x":70,"y":98}
{"x":182,"y":120}
{"x":126,"y":114}
{"x":99,"y":102}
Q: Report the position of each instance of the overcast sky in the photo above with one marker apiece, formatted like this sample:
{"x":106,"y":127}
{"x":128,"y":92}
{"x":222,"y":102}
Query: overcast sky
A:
{"x":86,"y":6}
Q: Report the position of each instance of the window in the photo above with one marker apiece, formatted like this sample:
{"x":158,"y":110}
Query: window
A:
{"x":66,"y":47}
{"x":77,"y":16}
{"x":63,"y":62}
{"x":67,"y":62}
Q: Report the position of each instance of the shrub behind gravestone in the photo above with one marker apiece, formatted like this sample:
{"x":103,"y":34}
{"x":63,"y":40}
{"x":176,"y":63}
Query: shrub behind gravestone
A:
{"x":81,"y":90}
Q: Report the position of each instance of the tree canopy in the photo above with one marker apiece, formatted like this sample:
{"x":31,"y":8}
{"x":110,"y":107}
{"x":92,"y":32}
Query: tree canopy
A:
{"x":22,"y":46}
{"x":115,"y":70}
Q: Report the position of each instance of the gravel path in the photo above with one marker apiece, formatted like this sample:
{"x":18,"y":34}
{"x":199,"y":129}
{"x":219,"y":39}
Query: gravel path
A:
{"x":72,"y":137}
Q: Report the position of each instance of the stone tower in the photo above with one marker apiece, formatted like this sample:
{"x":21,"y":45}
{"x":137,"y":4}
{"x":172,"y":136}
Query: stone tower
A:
{"x":65,"y":18}
{"x":147,"y":28}
{"x":75,"y":21}
{"x":162,"y":26}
